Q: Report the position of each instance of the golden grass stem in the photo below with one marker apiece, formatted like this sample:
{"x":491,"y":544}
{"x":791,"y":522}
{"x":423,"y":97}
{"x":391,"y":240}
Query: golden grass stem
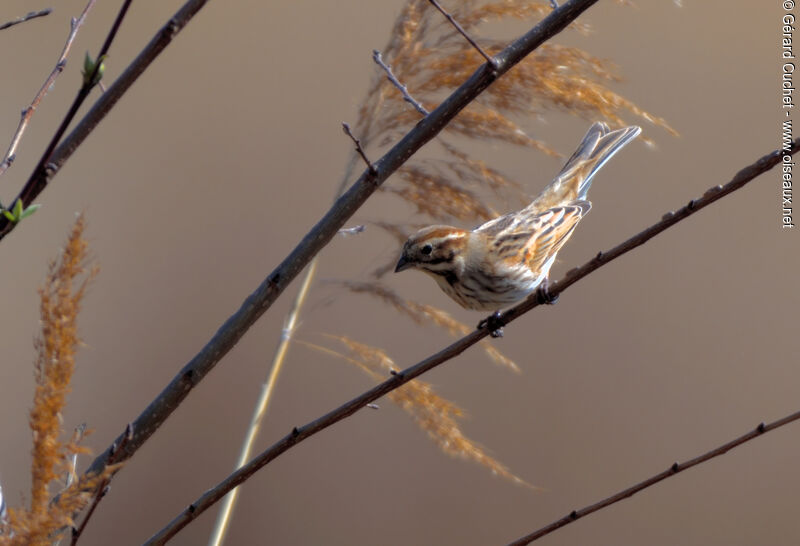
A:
{"x":260,"y":410}
{"x":226,"y":511}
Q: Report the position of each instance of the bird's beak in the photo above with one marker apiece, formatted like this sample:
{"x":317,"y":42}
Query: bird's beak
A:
{"x":403,"y":264}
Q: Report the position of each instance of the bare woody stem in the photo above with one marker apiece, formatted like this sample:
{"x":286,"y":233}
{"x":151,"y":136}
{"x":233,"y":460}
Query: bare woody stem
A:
{"x":27,"y":113}
{"x":460,"y":29}
{"x":49,"y":167}
{"x":298,"y":434}
{"x":378,"y":58}
{"x":24,"y":18}
{"x":320,"y":235}
{"x":44,"y":169}
{"x":671,"y":471}
{"x":359,"y":149}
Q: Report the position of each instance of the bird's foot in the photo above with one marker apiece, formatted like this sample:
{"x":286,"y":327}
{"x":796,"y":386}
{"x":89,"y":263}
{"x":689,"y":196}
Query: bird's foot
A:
{"x":543,"y":295}
{"x":493,"y":323}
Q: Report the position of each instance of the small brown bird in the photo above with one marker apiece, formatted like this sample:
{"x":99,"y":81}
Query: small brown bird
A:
{"x":502,"y":261}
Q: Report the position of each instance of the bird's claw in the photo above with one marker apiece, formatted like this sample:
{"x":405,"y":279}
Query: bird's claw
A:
{"x":543,"y":295}
{"x":493,"y":323}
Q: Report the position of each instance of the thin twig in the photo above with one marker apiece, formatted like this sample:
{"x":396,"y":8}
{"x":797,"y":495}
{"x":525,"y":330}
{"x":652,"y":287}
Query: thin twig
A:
{"x":43,"y":174}
{"x":28,"y":17}
{"x":359,"y":149}
{"x":378,"y":58}
{"x":397,"y":379}
{"x":27,"y":113}
{"x":44,"y":169}
{"x":103,"y":488}
{"x":671,"y":471}
{"x":321,"y":234}
{"x":489,"y":59}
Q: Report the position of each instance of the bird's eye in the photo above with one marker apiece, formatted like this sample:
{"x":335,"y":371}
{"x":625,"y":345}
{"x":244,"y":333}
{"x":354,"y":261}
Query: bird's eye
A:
{"x":427,"y":249}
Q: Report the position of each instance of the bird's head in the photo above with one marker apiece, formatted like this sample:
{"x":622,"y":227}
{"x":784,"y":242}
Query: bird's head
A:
{"x":434,"y":249}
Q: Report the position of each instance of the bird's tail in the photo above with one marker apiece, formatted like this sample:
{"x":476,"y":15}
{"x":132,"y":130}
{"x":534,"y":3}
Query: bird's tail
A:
{"x":573,"y":182}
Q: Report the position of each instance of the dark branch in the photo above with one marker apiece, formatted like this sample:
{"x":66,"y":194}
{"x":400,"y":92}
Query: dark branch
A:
{"x":44,"y":173}
{"x":112,"y":33}
{"x":28,"y":17}
{"x":473,"y":43}
{"x":397,"y":379}
{"x":378,"y":58}
{"x":359,"y":149}
{"x":320,"y":235}
{"x":45,"y":169}
{"x":27,"y":113}
{"x":668,"y":473}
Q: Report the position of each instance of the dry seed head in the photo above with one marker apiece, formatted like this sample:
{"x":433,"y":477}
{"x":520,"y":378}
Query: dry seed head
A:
{"x":434,"y":414}
{"x":426,"y":314}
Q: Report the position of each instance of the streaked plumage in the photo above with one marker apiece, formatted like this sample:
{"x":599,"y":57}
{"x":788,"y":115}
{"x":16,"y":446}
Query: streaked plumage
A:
{"x":502,"y":261}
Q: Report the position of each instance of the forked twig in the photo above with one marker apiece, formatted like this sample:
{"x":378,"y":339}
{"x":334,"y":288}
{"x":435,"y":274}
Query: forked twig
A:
{"x":89,"y":81}
{"x":378,"y":58}
{"x":489,"y":59}
{"x":359,"y":149}
{"x":671,"y":471}
{"x":27,"y":113}
{"x":46,"y":170}
{"x":27,"y":17}
{"x":397,"y":379}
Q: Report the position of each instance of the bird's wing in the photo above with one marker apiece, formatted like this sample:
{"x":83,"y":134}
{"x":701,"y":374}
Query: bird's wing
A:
{"x":533,"y":240}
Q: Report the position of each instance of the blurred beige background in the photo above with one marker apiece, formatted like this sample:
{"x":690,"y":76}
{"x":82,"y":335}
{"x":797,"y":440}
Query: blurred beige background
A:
{"x":223,"y":154}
